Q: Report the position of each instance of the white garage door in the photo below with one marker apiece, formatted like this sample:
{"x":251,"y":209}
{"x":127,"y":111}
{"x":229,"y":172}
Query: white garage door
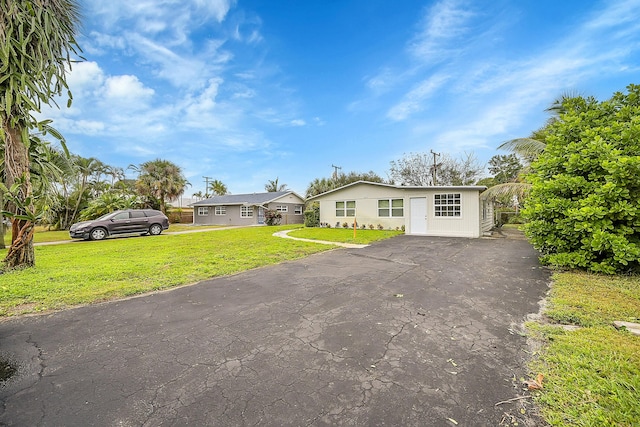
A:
{"x":419,"y":215}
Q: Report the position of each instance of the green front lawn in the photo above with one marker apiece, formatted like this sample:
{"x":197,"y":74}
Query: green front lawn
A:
{"x":592,"y":375}
{"x":86,"y":272}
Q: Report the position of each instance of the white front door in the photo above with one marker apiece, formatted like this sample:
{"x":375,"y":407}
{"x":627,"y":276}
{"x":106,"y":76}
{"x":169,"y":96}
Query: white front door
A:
{"x":419,"y":215}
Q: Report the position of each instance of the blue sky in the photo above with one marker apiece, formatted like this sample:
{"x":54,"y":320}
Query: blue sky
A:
{"x":247,"y":91}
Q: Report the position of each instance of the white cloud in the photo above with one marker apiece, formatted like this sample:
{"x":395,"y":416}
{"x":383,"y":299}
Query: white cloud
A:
{"x":445,"y":22}
{"x":126,"y":89}
{"x":616,"y":14}
{"x":318,"y":121}
{"x":244,"y":94}
{"x":384,"y":80}
{"x":98,"y":41}
{"x":217,"y":8}
{"x":413,"y":101}
{"x":298,"y":122}
{"x":85,"y":77}
{"x":202,"y":106}
{"x":149,"y":15}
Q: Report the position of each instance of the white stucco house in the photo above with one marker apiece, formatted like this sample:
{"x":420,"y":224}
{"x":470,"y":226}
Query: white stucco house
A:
{"x":248,"y":209}
{"x":454,"y":211}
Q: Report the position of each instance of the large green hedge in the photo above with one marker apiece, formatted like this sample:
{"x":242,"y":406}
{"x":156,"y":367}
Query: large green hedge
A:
{"x":584,"y":206}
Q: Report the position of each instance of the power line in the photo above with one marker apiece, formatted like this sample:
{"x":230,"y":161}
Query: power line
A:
{"x":435,"y":167}
{"x":335,"y":170}
{"x":206,"y":188}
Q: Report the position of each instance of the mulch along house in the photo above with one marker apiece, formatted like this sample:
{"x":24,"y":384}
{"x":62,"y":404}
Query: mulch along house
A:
{"x":453,"y":211}
{"x":248,"y":209}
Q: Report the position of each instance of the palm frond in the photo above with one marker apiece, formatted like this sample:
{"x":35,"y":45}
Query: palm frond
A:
{"x":509,"y":189}
{"x":525,"y":147}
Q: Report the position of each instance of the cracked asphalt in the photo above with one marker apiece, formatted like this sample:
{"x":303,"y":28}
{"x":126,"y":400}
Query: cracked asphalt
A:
{"x":411,"y":331}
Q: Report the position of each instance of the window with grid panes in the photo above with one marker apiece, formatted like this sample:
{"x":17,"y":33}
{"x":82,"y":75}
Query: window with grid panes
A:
{"x":447,"y":205}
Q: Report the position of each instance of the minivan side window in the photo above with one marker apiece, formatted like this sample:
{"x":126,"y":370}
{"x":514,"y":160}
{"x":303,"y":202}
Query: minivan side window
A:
{"x":121,"y":215}
{"x":137,"y":214}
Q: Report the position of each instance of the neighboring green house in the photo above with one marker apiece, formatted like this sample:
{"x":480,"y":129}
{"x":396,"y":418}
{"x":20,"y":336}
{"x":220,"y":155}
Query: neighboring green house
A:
{"x":453,"y":211}
{"x":248,"y":209}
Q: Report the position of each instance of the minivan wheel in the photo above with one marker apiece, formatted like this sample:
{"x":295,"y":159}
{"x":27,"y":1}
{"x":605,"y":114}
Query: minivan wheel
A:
{"x":155,"y":229}
{"x":98,"y":234}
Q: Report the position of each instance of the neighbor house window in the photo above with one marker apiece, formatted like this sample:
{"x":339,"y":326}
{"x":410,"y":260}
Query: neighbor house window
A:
{"x":221,"y":210}
{"x":447,"y":204}
{"x":297,"y":210}
{"x":346,"y":208}
{"x":282,"y":208}
{"x":203,"y":211}
{"x":246,"y":211}
{"x":391,"y":207}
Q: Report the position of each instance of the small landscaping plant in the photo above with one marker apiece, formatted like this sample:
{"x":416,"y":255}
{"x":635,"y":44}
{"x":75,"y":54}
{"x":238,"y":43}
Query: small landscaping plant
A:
{"x":312,"y":215}
{"x":272,"y":217}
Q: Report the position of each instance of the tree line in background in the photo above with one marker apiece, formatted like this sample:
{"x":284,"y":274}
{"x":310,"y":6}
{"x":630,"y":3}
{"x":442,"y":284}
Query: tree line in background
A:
{"x":71,"y":188}
{"x":419,"y":169}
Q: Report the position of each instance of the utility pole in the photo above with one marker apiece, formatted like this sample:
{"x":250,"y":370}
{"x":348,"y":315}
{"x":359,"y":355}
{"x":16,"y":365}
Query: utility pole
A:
{"x":335,"y":170}
{"x":206,"y":188}
{"x":435,"y":167}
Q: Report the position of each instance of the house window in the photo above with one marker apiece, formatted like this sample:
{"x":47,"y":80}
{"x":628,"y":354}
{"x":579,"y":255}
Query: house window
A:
{"x":282,"y":208}
{"x":203,"y":210}
{"x":447,"y":204}
{"x":246,"y":211}
{"x":221,"y":210}
{"x":391,"y":207}
{"x":297,"y":210}
{"x":346,"y":208}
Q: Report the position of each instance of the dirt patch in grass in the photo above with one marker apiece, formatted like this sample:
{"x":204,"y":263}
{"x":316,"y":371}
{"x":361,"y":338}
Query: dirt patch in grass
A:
{"x":22,"y":309}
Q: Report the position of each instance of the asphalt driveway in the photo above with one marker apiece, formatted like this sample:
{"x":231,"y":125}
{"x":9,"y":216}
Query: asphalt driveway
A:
{"x":410,"y":331}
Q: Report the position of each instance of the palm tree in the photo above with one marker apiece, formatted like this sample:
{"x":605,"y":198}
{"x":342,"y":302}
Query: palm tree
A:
{"x":161,"y":181}
{"x":273,"y":187}
{"x":319,"y":186}
{"x":528,"y":149}
{"x":39,"y":39}
{"x":218,"y":188}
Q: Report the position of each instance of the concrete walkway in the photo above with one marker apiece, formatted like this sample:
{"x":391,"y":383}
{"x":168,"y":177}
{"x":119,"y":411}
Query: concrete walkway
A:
{"x":410,"y":331}
{"x":285,"y":234}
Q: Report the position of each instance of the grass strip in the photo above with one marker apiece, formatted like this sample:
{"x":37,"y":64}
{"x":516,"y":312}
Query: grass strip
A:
{"x":592,"y":375}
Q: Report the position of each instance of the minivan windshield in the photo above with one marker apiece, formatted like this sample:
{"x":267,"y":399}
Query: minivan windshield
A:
{"x":105,"y":216}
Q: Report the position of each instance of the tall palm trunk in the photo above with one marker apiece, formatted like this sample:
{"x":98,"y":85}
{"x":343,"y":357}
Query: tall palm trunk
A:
{"x":16,"y":163}
{"x":2,"y":230}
